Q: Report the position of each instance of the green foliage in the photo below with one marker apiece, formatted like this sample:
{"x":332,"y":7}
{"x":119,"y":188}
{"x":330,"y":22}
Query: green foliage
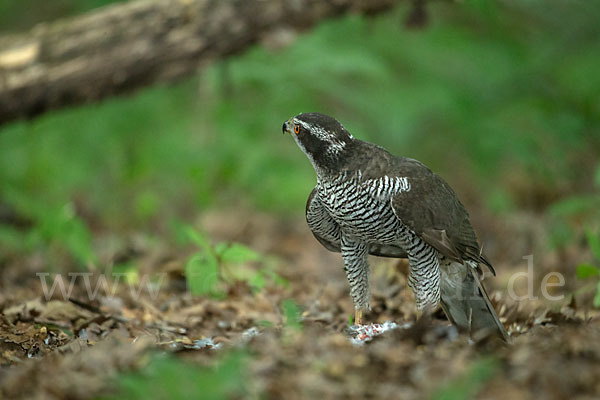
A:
{"x":292,"y":315}
{"x":214,"y":266}
{"x":500,"y":97}
{"x":585,"y":271}
{"x":202,"y":274}
{"x":56,"y":231}
{"x":589,"y":271}
{"x":593,"y":240}
{"x":468,"y":385}
{"x":453,"y":91}
{"x":167,"y":377}
{"x":567,"y":215}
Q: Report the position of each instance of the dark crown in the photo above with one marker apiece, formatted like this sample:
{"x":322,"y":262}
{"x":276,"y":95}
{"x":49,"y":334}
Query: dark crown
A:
{"x":324,"y":122}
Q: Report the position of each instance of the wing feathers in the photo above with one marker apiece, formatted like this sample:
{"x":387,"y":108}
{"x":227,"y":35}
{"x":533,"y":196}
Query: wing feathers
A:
{"x":439,"y":240}
{"x":433,"y":211}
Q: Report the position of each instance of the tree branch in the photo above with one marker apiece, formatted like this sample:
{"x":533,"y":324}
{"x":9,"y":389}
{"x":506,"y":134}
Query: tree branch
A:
{"x":130,"y":45}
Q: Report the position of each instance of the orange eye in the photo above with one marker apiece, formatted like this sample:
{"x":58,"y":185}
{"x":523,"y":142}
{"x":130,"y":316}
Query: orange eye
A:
{"x":297,"y":129}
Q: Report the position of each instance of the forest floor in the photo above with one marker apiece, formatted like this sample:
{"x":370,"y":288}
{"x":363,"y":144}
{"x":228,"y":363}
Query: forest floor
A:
{"x":288,"y":338}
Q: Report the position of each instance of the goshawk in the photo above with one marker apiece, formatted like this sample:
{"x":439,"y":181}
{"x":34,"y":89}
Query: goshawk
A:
{"x":368,"y":201}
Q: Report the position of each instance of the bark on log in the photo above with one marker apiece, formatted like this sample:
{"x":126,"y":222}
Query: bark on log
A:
{"x":129,"y":45}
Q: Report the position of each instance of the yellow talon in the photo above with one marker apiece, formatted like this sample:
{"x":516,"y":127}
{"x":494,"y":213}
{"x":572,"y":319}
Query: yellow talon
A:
{"x":358,"y":316}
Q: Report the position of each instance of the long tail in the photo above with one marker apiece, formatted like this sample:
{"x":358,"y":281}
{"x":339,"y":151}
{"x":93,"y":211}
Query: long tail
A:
{"x":466,"y":303}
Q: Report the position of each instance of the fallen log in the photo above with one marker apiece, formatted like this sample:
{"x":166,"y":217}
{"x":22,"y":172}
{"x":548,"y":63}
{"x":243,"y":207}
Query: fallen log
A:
{"x":129,"y":45}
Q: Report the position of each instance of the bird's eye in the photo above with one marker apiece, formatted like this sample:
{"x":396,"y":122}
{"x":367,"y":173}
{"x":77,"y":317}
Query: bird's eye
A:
{"x":297,"y":129}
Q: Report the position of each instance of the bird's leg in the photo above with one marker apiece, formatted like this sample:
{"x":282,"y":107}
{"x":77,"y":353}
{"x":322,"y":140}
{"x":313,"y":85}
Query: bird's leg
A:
{"x":354,"y":253}
{"x":358,"y":316}
{"x":424,"y":277}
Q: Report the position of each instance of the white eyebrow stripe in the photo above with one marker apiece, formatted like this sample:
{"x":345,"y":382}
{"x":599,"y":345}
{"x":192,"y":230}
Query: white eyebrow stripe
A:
{"x":318,"y":131}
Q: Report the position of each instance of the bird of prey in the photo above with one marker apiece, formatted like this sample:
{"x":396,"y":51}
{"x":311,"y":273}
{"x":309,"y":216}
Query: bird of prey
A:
{"x":368,"y":201}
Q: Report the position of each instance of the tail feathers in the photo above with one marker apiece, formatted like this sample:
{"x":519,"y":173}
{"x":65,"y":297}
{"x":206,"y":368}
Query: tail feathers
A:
{"x":466,"y":303}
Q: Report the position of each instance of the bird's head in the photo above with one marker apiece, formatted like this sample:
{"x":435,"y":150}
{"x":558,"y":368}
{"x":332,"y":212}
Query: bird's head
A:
{"x":322,"y":138}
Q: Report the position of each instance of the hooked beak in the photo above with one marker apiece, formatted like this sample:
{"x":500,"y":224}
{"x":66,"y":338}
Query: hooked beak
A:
{"x":287,"y":126}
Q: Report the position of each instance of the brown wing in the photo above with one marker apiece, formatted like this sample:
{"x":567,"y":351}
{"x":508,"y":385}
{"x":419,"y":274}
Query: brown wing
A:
{"x":327,"y":231}
{"x":430,"y":208}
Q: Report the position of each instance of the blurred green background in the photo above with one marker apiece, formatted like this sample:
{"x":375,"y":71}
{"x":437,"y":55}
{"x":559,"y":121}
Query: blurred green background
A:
{"x":500,"y":98}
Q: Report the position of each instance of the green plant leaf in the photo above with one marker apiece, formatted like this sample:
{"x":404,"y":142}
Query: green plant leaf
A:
{"x":574,"y":205}
{"x":197,"y":238}
{"x":78,"y":241}
{"x":593,"y":240}
{"x":221,"y":248}
{"x":62,"y":227}
{"x":585,"y":271}
{"x":236,"y":253}
{"x":202,"y":273}
{"x":257,"y":281}
{"x":291,"y":313}
{"x":276,"y":278}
